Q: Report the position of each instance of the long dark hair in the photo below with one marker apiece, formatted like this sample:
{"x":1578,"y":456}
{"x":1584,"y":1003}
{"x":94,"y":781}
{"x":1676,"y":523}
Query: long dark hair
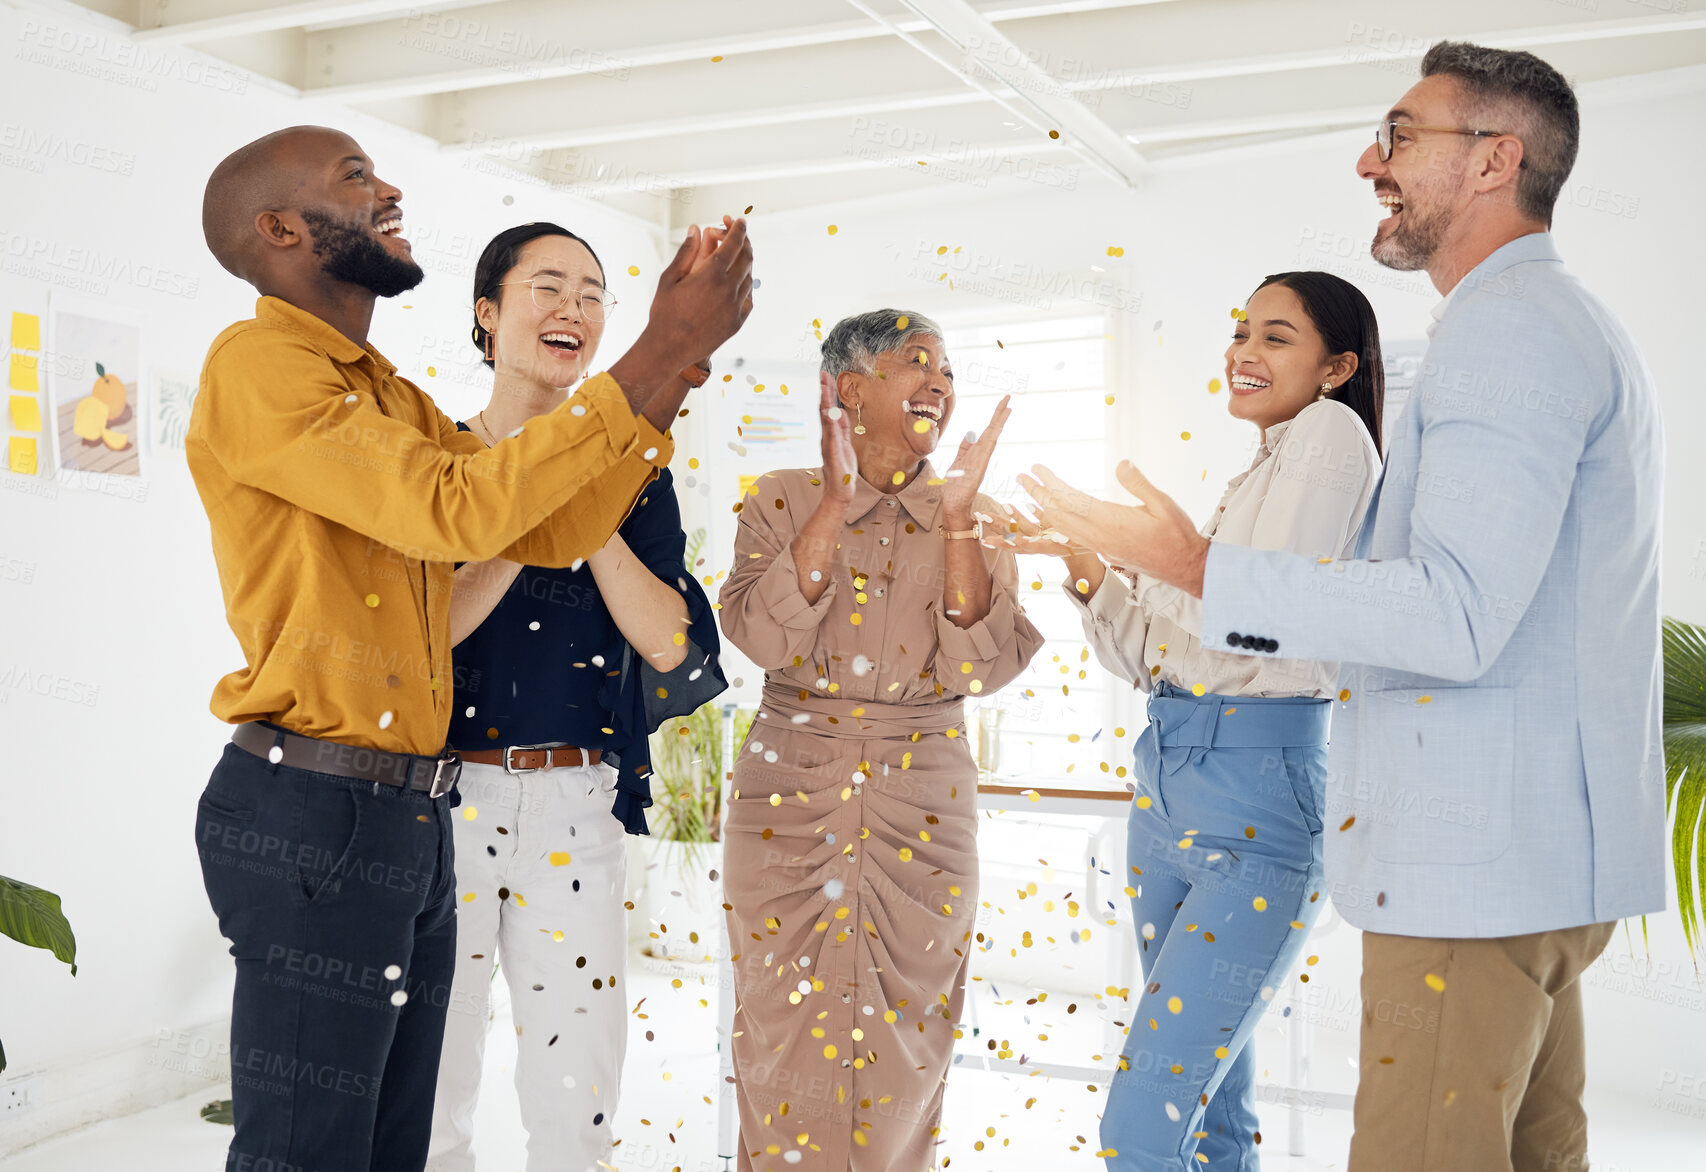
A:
{"x":500,"y":257}
{"x":1346,"y":322}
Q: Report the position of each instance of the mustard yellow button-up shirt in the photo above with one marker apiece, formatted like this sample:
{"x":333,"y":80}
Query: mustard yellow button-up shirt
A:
{"x":340,"y":497}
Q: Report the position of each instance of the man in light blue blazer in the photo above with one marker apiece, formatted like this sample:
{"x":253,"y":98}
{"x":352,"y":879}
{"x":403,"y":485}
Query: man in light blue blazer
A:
{"x":1497,"y":793}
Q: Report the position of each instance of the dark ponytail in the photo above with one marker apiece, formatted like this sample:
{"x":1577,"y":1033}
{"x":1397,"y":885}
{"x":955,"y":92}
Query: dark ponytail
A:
{"x":1346,"y":322}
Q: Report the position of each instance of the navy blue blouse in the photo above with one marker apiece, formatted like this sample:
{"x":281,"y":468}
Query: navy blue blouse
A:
{"x":549,"y":663}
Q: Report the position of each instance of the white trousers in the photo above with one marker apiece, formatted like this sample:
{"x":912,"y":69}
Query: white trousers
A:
{"x":540,"y":876}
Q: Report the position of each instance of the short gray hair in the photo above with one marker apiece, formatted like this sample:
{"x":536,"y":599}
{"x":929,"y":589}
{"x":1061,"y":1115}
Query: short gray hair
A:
{"x":855,"y":343}
{"x":1538,"y":101}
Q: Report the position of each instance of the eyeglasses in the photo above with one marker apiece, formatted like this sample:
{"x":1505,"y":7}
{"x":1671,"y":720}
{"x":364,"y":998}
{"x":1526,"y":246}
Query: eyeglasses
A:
{"x":1383,"y":133}
{"x":550,"y":295}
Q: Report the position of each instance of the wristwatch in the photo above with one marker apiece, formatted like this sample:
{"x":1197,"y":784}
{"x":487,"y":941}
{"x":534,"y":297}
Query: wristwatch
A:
{"x":975,"y":532}
{"x":696,"y":374}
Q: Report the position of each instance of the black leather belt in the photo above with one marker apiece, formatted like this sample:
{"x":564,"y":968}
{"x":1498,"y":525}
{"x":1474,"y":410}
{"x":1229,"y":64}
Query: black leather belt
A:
{"x":433,"y":776}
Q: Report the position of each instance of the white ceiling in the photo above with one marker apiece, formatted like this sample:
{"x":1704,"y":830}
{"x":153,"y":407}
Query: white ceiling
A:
{"x":786,"y":103}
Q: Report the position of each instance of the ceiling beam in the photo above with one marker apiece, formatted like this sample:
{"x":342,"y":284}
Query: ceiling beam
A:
{"x":499,"y":44}
{"x":1086,"y":53}
{"x":183,"y":22}
{"x":1022,"y":87}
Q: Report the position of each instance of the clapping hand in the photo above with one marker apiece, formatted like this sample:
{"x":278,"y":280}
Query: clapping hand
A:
{"x":840,"y":464}
{"x":966,"y":474}
{"x":1155,"y":535}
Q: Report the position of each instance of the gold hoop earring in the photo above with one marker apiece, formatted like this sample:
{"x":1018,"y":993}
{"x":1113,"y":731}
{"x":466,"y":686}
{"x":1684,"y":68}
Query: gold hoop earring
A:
{"x":859,"y":421}
{"x":1326,"y":389}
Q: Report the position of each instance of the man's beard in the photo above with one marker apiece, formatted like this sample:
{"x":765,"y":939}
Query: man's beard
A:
{"x":352,"y":253}
{"x":1412,"y":244}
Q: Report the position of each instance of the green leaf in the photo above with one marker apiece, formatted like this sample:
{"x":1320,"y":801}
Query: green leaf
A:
{"x":219,"y":1111}
{"x":31,"y":916}
{"x":1685,"y":768}
{"x":100,"y":370}
{"x":2,"y":1058}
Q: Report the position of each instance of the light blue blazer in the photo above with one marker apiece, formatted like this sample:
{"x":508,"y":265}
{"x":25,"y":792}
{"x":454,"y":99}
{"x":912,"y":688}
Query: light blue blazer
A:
{"x":1496,"y":765}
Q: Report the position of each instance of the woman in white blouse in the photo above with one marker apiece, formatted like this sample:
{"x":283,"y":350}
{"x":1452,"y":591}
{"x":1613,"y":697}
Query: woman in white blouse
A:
{"x":1224,"y":843}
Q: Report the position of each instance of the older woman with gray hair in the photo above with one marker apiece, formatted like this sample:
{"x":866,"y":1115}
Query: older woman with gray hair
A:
{"x":850,"y":854}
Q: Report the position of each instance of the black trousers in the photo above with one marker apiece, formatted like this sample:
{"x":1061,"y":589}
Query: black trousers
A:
{"x":338,"y":897}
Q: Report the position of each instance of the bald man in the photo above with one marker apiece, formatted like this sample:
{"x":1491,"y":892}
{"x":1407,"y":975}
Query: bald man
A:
{"x":339,"y":500}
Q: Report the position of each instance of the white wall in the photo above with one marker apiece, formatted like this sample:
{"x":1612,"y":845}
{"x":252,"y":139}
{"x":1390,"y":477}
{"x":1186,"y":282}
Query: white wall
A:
{"x":116,"y":591}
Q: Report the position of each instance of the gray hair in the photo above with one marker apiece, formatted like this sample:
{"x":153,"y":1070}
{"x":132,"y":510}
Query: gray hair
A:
{"x":1536,"y":103}
{"x":855,"y":343}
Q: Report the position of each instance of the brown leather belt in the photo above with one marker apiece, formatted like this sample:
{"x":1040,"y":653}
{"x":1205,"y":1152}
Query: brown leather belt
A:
{"x":525,"y":759}
{"x":433,"y":776}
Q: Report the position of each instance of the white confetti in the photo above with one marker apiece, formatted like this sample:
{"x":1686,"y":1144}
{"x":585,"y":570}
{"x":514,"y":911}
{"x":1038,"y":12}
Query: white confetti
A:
{"x":569,"y":1081}
{"x":275,"y":754}
{"x":862,"y":666}
{"x":578,"y":409}
{"x":834,"y":413}
{"x":384,"y":720}
{"x":534,"y":625}
{"x":392,"y":972}
{"x":834,"y":888}
{"x":598,"y":661}
{"x":649,"y":454}
{"x":800,"y":717}
{"x":352,"y":398}
{"x":399,"y":997}
{"x":1172,"y":1113}
{"x":469,"y":712}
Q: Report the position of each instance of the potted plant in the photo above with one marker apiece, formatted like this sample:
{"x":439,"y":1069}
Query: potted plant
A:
{"x":1685,"y":766}
{"x":31,"y":916}
{"x":682,"y":898}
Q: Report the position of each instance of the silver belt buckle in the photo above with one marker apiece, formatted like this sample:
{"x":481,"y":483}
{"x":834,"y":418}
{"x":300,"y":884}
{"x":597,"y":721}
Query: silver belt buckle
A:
{"x":444,"y":775}
{"x":513,"y":772}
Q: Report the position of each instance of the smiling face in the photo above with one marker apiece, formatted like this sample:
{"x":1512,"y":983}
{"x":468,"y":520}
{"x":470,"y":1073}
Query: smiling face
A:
{"x":355,"y":227}
{"x":905,"y":403}
{"x":1426,"y":183}
{"x":1278,"y":360}
{"x":550,"y":348}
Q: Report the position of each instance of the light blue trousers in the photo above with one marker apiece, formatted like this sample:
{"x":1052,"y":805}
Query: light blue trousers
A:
{"x":1224,"y":850}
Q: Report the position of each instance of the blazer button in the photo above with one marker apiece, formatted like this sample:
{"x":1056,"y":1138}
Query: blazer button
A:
{"x":1249,"y":642}
{"x":1232,"y":639}
{"x":1272,"y":645}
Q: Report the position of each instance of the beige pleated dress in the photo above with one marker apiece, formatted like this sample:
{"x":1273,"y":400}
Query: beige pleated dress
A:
{"x":850,"y":855}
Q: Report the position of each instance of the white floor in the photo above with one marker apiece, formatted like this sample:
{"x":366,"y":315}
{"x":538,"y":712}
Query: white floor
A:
{"x":668,"y":1120}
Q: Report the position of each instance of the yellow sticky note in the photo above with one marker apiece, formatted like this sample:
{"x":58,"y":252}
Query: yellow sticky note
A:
{"x":24,"y":373}
{"x":23,"y":455}
{"x":26,"y":331}
{"x":26,"y":415}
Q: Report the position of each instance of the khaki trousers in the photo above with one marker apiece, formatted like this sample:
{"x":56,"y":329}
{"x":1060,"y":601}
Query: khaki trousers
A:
{"x":1472,"y":1055}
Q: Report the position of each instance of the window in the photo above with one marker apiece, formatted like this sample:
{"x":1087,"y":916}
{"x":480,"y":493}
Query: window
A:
{"x":1055,"y":725}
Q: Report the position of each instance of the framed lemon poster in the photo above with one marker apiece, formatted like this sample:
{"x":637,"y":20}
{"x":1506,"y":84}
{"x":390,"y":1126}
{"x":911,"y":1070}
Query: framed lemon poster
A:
{"x":97,"y":387}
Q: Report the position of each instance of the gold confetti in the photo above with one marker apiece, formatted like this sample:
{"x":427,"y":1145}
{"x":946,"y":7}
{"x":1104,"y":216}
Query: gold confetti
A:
{"x":1424,"y":699}
{"x":1214,"y":386}
{"x":633,"y":270}
{"x":1184,"y":435}
{"x":1054,"y":134}
{"x":559,"y":858}
{"x":1174,"y":1005}
{"x":833,"y":229}
{"x":1259,"y":904}
{"x":372,"y":600}
{"x":1344,"y":694}
{"x":1197,"y":689}
{"x":1348,"y":823}
{"x":1435,"y":982}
